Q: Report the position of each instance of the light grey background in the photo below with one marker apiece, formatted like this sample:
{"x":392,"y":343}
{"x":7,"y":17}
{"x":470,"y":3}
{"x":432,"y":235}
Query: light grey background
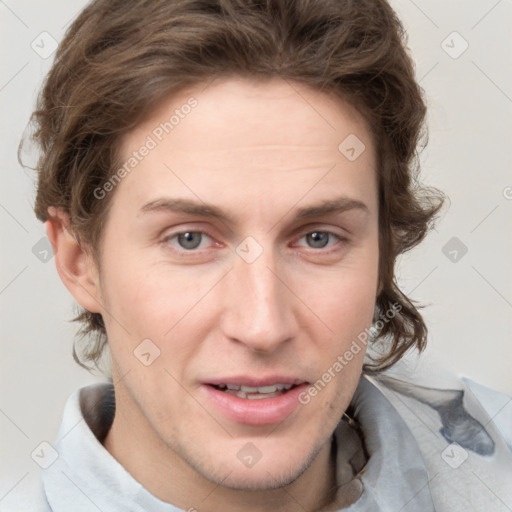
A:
{"x":469,"y":157}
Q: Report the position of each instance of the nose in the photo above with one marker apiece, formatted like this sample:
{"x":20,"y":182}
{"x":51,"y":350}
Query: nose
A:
{"x":258,"y":307}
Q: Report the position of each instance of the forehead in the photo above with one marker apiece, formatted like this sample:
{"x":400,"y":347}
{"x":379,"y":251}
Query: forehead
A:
{"x":236,"y":103}
{"x":262,"y":137}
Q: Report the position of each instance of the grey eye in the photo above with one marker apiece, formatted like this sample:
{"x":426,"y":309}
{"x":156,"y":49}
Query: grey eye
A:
{"x":190,"y":239}
{"x":317,"y":239}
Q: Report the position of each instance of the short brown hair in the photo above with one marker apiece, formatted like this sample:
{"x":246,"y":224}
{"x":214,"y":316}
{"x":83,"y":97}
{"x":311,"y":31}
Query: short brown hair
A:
{"x":120,"y":57}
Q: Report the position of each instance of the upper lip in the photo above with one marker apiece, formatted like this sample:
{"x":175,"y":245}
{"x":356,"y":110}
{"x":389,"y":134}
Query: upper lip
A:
{"x":255,"y":382}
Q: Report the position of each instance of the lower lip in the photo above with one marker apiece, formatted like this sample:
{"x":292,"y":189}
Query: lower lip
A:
{"x":264,"y":411}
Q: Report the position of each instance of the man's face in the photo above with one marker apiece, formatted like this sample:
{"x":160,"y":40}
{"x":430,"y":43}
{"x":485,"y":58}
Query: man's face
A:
{"x":263,"y":296}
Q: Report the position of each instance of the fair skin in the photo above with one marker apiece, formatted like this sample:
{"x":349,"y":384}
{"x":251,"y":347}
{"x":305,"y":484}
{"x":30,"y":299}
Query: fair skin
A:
{"x":260,"y":152}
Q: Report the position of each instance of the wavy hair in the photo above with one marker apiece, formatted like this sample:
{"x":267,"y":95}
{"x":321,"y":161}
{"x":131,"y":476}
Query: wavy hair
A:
{"x":120,"y":57}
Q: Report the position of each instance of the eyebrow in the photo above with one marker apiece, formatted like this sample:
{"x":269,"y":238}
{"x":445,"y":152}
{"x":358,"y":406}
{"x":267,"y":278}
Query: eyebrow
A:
{"x":336,"y":205}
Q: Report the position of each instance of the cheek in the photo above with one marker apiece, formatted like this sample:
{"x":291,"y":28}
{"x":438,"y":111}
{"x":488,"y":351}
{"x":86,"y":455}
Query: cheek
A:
{"x":169,"y":306}
{"x":344,"y":299}
{"x":150,"y":296}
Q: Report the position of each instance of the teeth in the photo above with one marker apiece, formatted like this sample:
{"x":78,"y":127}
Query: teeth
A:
{"x":262,"y":389}
{"x":257,"y":396}
{"x":244,"y":391}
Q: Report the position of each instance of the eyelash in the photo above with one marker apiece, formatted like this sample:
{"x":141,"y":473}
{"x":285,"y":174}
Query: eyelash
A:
{"x":340,"y":239}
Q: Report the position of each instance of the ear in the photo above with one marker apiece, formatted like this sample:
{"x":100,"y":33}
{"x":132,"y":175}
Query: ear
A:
{"x":75,"y":265}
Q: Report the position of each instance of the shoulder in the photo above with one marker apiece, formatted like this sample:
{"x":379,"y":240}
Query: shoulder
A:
{"x":498,"y":406}
{"x":33,"y":492}
{"x":27,"y":496}
{"x":463,"y":431}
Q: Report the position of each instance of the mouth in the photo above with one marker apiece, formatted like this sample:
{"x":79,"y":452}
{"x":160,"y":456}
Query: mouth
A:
{"x":254,"y":401}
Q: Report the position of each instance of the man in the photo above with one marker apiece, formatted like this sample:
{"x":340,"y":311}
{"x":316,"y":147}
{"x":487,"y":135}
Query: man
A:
{"x":227,"y":186}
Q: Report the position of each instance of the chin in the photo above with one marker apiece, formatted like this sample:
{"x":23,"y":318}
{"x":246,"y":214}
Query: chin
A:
{"x":266,"y":479}
{"x":265,"y":475}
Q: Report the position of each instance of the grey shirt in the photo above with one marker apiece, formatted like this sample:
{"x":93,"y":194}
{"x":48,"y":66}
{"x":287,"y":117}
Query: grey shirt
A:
{"x":418,"y":448}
